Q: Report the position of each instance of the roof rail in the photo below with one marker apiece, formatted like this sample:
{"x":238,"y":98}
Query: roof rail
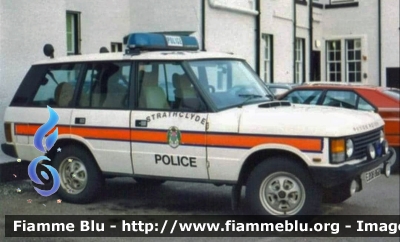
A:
{"x":337,"y":84}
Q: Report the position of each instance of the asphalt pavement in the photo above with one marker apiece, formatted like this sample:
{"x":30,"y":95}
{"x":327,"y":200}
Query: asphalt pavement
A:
{"x":123,"y":196}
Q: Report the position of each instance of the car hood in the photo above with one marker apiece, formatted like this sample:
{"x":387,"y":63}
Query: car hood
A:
{"x":306,"y":120}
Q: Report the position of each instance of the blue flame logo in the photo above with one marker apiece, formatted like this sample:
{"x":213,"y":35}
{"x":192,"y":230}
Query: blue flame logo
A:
{"x":45,"y":178}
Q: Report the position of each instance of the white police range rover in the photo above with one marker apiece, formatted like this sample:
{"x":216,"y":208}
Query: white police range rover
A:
{"x":166,"y":111}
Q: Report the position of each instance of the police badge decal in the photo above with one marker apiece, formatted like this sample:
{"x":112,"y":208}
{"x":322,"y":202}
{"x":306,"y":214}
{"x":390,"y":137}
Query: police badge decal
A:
{"x":173,"y":137}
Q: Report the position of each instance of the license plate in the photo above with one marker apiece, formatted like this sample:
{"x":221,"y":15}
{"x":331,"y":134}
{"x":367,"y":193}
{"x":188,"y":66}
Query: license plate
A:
{"x":371,"y":175}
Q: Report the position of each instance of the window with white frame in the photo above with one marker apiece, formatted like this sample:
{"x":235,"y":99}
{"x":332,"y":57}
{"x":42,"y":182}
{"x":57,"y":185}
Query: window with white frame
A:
{"x":72,"y":29}
{"x":267,"y":58}
{"x":334,"y":63}
{"x":299,"y":60}
{"x":353,"y":60}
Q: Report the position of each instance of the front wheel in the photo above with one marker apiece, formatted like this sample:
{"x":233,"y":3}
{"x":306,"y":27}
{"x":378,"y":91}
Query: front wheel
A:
{"x":283,"y":188}
{"x":80,"y":178}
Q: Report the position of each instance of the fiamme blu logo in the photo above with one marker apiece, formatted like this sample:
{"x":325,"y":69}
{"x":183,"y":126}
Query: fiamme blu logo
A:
{"x":45,"y":178}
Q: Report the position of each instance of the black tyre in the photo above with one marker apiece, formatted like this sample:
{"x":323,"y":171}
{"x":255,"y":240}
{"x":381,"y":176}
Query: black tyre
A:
{"x":337,"y":194}
{"x":283,"y":188}
{"x":149,"y":181}
{"x":396,"y":165}
{"x":80,"y":178}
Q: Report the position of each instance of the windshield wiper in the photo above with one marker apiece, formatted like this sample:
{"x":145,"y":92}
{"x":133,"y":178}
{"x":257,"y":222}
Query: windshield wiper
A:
{"x":248,"y":98}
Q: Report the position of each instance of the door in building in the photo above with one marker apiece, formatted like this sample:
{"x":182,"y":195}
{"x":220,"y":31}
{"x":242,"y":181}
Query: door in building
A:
{"x":393,"y":77}
{"x":316,"y":66}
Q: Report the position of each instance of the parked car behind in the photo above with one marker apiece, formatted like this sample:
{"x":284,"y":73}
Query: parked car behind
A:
{"x":382,"y":100}
{"x":280,"y":88}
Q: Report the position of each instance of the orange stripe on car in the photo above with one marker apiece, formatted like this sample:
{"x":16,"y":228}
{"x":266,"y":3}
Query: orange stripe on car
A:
{"x":189,"y":138}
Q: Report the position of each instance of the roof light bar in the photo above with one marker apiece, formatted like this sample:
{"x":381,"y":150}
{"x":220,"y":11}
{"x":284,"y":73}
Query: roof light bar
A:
{"x":157,"y":41}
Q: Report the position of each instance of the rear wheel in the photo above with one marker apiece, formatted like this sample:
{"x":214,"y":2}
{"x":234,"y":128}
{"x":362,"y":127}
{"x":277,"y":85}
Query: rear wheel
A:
{"x":283,"y":188}
{"x":80,"y":178}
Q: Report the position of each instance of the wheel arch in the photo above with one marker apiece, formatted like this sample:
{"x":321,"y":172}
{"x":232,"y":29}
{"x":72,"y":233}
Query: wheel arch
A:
{"x":71,"y":141}
{"x":259,"y":155}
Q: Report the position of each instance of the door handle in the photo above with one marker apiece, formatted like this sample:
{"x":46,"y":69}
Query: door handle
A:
{"x":140,"y":123}
{"x":80,"y":120}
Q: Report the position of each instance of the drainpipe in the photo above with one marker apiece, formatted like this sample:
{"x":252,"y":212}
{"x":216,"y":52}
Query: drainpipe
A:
{"x":203,"y":25}
{"x":379,"y":43}
{"x":310,"y":19}
{"x":258,"y":36}
{"x":294,"y":41}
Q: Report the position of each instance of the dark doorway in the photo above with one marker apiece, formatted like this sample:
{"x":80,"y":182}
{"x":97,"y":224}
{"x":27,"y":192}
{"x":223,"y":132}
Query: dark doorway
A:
{"x":393,"y":77}
{"x":316,"y":66}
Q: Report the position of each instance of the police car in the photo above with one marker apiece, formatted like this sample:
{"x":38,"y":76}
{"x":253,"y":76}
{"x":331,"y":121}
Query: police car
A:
{"x":166,"y":111}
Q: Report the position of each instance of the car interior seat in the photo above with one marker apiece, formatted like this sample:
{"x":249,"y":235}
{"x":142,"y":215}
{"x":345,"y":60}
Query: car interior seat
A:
{"x":116,"y":93}
{"x":151,"y":95}
{"x":63,"y":94}
{"x":184,"y":91}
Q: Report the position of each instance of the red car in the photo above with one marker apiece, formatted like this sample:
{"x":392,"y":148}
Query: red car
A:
{"x":385,"y":101}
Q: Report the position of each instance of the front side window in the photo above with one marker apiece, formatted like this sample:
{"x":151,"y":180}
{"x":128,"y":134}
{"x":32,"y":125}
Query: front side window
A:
{"x":304,"y":96}
{"x":229,"y":83}
{"x":166,"y":86}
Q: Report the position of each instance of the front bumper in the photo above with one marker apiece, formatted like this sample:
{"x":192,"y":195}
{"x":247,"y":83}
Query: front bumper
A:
{"x":330,"y":177}
{"x":9,"y":150}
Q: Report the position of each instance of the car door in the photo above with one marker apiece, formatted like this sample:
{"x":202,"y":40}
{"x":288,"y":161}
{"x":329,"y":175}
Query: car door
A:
{"x":168,"y":136}
{"x":101,"y":117}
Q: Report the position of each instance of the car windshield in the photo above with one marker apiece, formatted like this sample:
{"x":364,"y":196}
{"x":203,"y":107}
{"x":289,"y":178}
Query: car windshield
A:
{"x":393,"y":93}
{"x":229,"y":83}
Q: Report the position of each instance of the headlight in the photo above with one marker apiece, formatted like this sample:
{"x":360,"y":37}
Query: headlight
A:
{"x":382,"y":136}
{"x":385,"y":147}
{"x":338,"y":150}
{"x":371,"y":151}
{"x":349,"y":148}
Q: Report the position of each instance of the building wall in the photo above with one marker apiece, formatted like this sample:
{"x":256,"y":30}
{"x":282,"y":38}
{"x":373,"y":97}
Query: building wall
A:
{"x":338,"y":24}
{"x":23,"y":34}
{"x":102,"y":22}
{"x":390,"y":35}
{"x":230,"y":31}
{"x":161,"y":15}
{"x":277,"y":20}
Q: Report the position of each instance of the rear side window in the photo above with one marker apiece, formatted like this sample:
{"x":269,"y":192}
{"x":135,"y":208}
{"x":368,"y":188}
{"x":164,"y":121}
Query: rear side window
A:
{"x":345,"y":99}
{"x":106,"y":86}
{"x":44,"y":85}
{"x":393,"y":93}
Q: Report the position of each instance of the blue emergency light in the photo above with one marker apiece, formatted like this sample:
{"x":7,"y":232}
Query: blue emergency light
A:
{"x":156,"y":41}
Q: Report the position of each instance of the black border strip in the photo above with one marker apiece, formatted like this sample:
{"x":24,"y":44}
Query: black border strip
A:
{"x":342,"y":5}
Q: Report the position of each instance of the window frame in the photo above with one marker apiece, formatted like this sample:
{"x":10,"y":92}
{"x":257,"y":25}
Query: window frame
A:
{"x":355,"y":61}
{"x":300,"y":61}
{"x":75,"y":33}
{"x":267,"y":59}
{"x":335,"y":61}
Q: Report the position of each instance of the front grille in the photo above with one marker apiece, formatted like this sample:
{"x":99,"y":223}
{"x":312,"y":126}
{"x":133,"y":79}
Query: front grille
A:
{"x":361,"y":142}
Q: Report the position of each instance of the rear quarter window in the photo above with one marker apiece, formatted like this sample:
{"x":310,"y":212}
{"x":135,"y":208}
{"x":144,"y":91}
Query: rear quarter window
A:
{"x":48,"y":85}
{"x":393,"y":94}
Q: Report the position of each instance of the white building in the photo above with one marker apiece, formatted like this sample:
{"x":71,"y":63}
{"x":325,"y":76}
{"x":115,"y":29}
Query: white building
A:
{"x":349,"y":40}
